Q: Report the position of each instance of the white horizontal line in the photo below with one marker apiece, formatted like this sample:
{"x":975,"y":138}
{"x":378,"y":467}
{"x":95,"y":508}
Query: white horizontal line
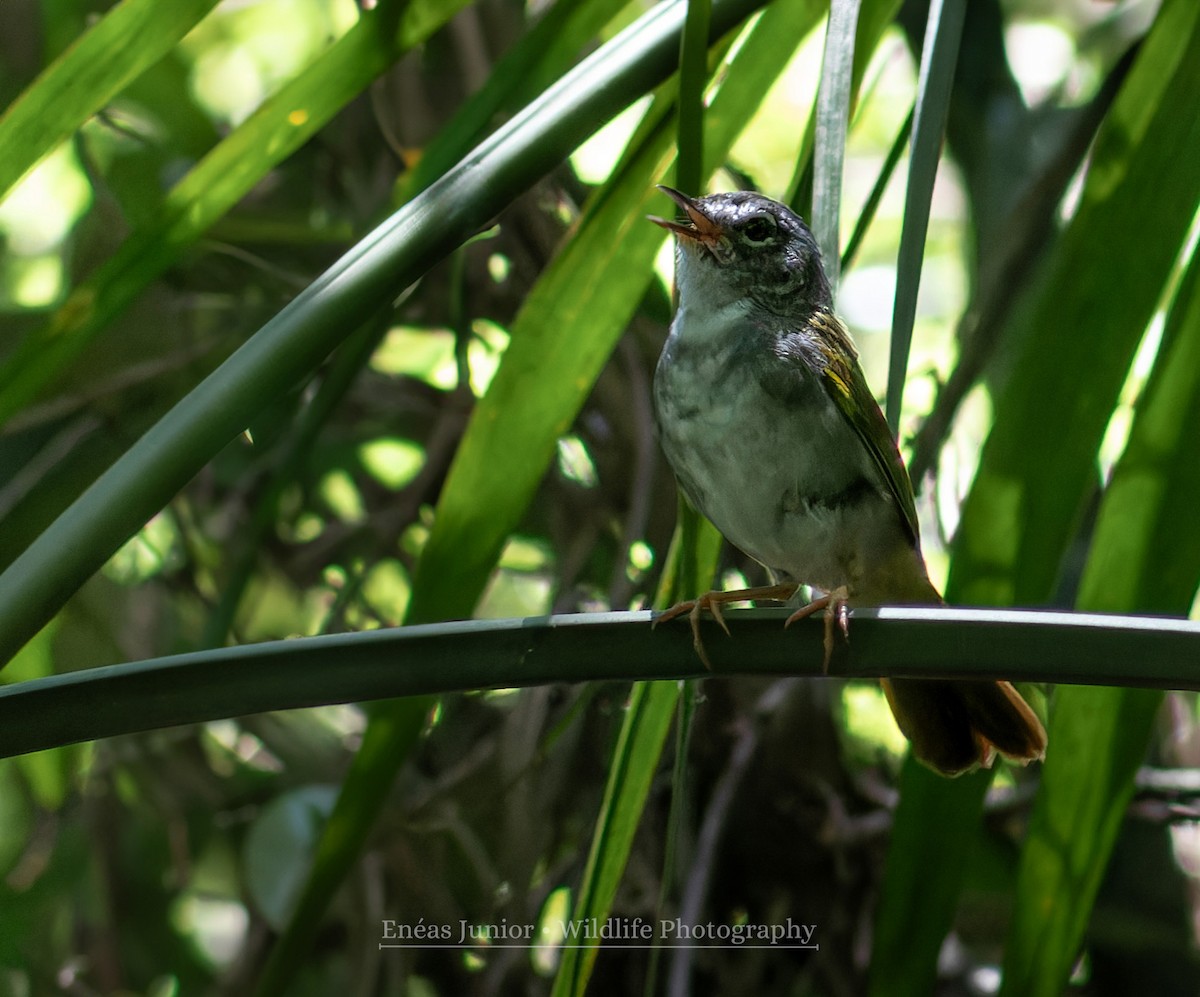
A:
{"x":483,"y":947}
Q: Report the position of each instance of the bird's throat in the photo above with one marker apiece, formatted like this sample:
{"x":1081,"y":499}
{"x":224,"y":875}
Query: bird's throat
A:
{"x":709,"y":321}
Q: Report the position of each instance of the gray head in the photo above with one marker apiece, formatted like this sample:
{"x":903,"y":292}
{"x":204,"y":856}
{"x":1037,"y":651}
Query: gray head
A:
{"x":742,"y":245}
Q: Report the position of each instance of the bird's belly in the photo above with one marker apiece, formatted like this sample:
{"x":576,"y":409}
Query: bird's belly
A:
{"x":810,"y":546}
{"x":774,"y":480}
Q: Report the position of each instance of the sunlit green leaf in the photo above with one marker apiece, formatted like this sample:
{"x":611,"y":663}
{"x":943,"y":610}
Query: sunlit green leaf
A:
{"x":1139,"y":560}
{"x":1039,"y":462}
{"x":280,"y":126}
{"x":127,"y":40}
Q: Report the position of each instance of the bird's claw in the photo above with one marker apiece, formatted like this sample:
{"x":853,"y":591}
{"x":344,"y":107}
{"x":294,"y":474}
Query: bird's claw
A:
{"x":837,"y":612}
{"x":712,"y":601}
{"x":695,"y":610}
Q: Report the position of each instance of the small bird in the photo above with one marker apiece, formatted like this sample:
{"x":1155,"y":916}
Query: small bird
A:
{"x":766,"y":417}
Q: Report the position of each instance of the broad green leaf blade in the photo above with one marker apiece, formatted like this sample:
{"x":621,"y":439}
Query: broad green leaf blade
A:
{"x":1140,"y":195}
{"x":281,"y":125}
{"x":921,"y":885}
{"x":1099,"y":736}
{"x":833,"y":113}
{"x":1159,"y":471}
{"x":131,"y":37}
{"x":943,"y":31}
{"x":631,"y":770}
{"x":1084,"y":329}
{"x":38,"y":582}
{"x":1140,"y":559}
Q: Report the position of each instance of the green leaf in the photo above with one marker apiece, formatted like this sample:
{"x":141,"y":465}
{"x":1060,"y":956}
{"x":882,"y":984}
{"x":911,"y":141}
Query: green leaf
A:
{"x":921,"y":883}
{"x":693,"y":79}
{"x":290,"y":346}
{"x":436,"y":658}
{"x":833,"y":113}
{"x":1099,"y":737}
{"x":631,"y":771}
{"x":591,"y":290}
{"x":1038,"y":464}
{"x":1140,"y":559}
{"x":278,"y":128}
{"x":1033,"y":481}
{"x":943,"y":31}
{"x":871,"y":205}
{"x":130,"y":38}
{"x":279,"y":846}
{"x":874,"y":17}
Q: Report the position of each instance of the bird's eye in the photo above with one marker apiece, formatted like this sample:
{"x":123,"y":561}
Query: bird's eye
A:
{"x":759,"y":229}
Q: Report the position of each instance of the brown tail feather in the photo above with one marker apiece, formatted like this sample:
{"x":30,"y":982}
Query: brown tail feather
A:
{"x":956,"y":726}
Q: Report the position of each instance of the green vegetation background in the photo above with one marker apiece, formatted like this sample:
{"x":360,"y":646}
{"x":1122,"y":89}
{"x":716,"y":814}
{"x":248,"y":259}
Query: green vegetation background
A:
{"x":308,"y":327}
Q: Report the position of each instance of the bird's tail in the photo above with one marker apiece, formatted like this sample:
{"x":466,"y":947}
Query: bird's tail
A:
{"x":956,"y":725}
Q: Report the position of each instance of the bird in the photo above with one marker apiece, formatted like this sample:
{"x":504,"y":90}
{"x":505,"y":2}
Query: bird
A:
{"x":765,"y":415}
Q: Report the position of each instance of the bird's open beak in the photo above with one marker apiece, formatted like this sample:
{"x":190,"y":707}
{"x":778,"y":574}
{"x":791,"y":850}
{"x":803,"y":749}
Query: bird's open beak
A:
{"x":702,"y":228}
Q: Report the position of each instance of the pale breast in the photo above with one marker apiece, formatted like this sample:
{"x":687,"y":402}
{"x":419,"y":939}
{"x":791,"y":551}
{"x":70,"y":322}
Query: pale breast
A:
{"x":789,"y":484}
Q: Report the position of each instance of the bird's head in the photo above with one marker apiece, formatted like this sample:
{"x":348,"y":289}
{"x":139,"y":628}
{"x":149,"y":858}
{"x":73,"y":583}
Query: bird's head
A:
{"x":742,"y":245}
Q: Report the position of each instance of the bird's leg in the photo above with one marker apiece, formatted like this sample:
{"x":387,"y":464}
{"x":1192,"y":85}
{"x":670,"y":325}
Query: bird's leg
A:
{"x":834,"y":604}
{"x":712,"y":601}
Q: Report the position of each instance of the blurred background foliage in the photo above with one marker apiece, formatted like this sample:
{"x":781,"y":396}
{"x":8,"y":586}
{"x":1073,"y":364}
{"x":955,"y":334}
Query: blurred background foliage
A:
{"x":237,"y":152}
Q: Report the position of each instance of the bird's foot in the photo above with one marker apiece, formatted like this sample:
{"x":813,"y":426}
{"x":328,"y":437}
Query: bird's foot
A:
{"x":712,"y":601}
{"x":836,"y":612}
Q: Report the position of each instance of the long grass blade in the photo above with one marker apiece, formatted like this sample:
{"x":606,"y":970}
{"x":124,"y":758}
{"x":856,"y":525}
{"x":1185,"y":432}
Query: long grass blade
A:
{"x":871,"y":205}
{"x":943,"y":31}
{"x":633,"y":766}
{"x":833,"y":114}
{"x":130,"y":38}
{"x":436,"y":658}
{"x":693,"y":78}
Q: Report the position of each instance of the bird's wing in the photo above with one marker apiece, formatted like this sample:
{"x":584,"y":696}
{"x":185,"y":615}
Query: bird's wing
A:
{"x":844,"y":381}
